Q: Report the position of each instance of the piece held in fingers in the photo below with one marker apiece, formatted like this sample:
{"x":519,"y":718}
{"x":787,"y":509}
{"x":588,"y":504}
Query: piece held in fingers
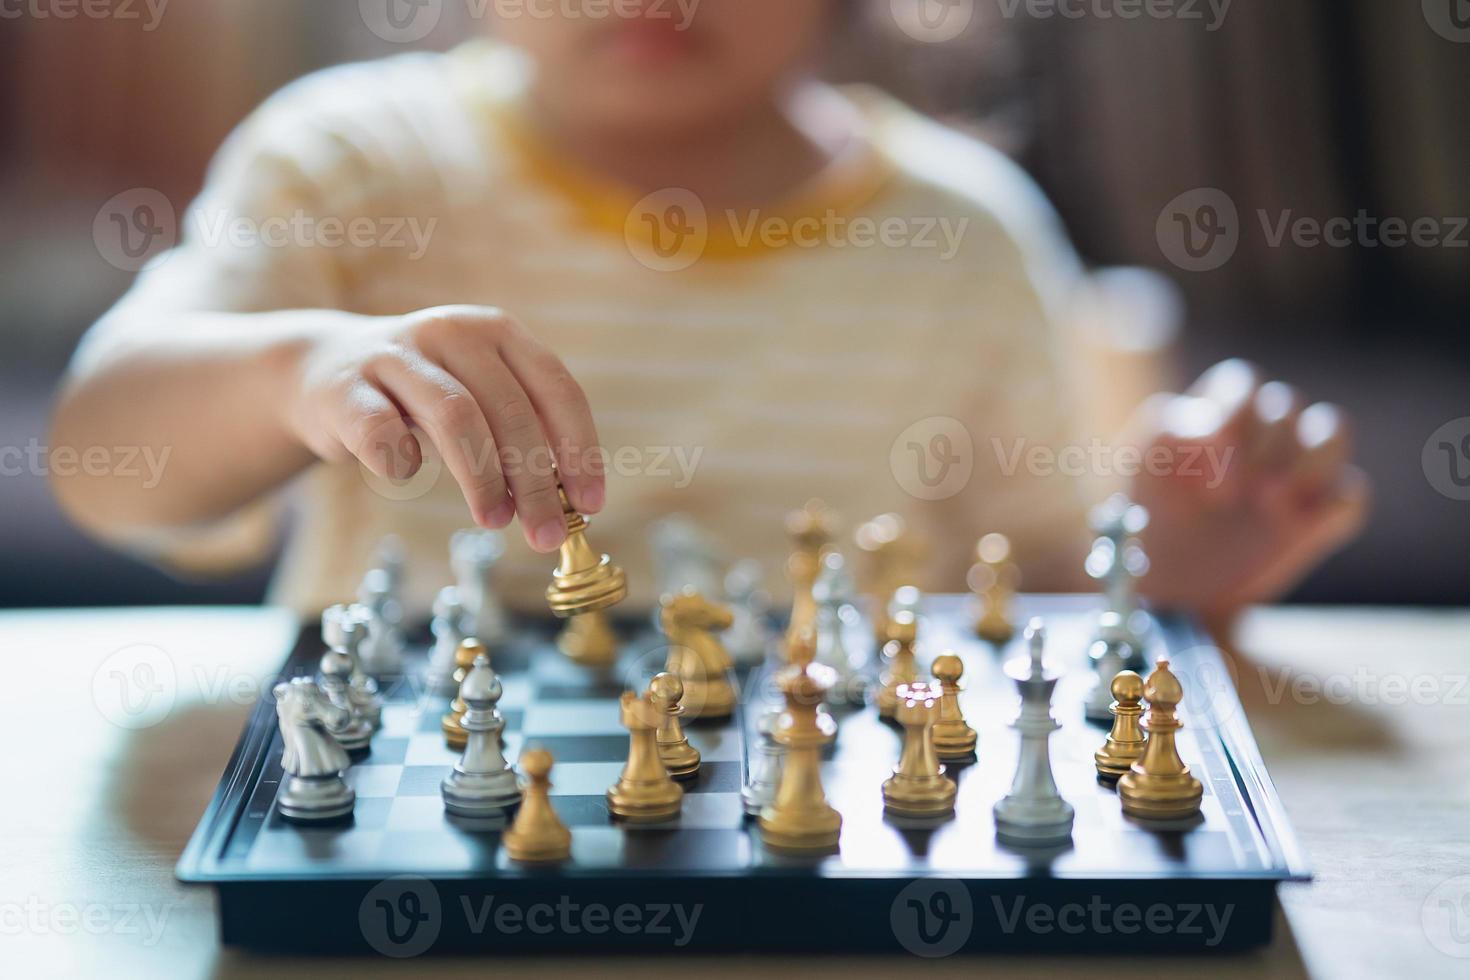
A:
{"x":584,"y":581}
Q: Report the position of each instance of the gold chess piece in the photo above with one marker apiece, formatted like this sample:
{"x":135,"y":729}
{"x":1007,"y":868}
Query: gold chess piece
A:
{"x":801,"y":651}
{"x":954,"y":739}
{"x":589,"y":639}
{"x":537,"y":834}
{"x":679,"y":757}
{"x":801,"y":819}
{"x":903,"y":633}
{"x":918,"y":786}
{"x":584,"y":581}
{"x":644,"y":792}
{"x":1159,"y":785}
{"x":1125,"y":744}
{"x":811,"y":534}
{"x":994,"y":580}
{"x":464,"y":659}
{"x":890,"y":557}
{"x":696,"y":655}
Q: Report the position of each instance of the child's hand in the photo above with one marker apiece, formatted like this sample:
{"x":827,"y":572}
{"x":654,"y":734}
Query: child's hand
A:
{"x":1256,"y":492}
{"x":487,"y":394}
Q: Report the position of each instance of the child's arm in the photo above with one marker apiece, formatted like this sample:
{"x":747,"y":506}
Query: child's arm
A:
{"x":241,"y":402}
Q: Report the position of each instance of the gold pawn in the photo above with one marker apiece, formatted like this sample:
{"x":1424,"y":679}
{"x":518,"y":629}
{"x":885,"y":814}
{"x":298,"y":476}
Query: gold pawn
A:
{"x":644,"y":792}
{"x":1125,"y":742}
{"x":537,"y":834}
{"x":801,"y":652}
{"x":811,"y":533}
{"x":679,"y":757}
{"x":954,"y":739}
{"x":918,"y":786}
{"x":696,"y":655}
{"x":464,"y":658}
{"x":589,"y":639}
{"x":903,"y":668}
{"x":994,"y":579}
{"x":1159,"y":786}
{"x":801,"y":819}
{"x":584,"y":581}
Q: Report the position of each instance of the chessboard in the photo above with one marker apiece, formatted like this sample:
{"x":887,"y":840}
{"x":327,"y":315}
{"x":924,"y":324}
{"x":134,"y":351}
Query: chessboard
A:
{"x":401,"y":877}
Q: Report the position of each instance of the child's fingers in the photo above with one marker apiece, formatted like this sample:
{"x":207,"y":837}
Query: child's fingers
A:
{"x":1314,"y":533}
{"x":1274,"y":446}
{"x":524,"y":453}
{"x":452,"y":417}
{"x":371,"y":427}
{"x":566,"y":414}
{"x":1326,"y":440}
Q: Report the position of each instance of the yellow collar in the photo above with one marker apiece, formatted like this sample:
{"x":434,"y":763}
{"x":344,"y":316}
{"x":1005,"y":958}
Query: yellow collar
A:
{"x":845,"y":187}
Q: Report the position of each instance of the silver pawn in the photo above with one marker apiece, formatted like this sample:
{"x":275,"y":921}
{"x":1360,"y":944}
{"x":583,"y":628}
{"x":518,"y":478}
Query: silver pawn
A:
{"x":347,"y":724}
{"x":313,"y":761}
{"x":833,"y":591}
{"x":1110,"y":654}
{"x":381,"y":652}
{"x":472,"y":556}
{"x":766,"y":764}
{"x":448,"y":629}
{"x":1034,"y":813}
{"x":483,"y":784}
{"x":343,"y":630}
{"x":749,"y":635}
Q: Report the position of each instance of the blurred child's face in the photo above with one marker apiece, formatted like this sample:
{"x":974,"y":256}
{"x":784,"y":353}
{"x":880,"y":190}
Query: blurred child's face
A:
{"x":662,"y":64}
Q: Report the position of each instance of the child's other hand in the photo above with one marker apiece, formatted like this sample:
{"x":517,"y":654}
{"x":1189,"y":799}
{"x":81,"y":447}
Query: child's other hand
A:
{"x":496,"y":403}
{"x":1255,"y":490}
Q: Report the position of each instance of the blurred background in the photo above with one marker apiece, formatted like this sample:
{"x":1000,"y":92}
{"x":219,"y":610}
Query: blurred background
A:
{"x":1315,"y":109}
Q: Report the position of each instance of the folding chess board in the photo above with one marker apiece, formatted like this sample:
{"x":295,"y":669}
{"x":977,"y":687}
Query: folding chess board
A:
{"x":402,"y":877}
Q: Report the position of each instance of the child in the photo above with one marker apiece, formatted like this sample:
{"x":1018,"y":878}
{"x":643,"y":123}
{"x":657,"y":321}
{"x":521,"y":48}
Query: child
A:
{"x":665,"y":255}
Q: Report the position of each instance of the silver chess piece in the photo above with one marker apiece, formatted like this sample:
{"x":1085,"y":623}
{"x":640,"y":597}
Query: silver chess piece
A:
{"x":347,"y":723}
{"x":483,"y":784}
{"x":684,"y":557}
{"x":767,"y":760}
{"x":312,"y":760}
{"x":1118,"y":561}
{"x":1034,"y":813}
{"x":344,"y":628}
{"x":381,"y":652}
{"x":833,"y":592}
{"x":448,"y":630}
{"x":392,"y":557}
{"x":749,"y":635}
{"x":473,"y":555}
{"x":1110,"y":654}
